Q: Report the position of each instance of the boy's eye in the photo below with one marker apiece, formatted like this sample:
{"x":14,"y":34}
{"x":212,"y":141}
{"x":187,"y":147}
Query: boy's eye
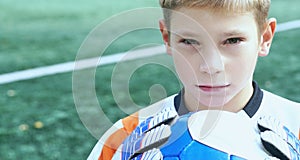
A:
{"x":233,"y":40}
{"x":189,"y":42}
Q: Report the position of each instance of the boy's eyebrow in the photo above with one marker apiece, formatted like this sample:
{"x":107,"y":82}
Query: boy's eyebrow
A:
{"x":233,"y":33}
{"x":228,"y":33}
{"x":184,"y":33}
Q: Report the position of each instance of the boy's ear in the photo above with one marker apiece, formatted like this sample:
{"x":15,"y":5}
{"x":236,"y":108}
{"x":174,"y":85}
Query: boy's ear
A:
{"x":267,"y":37}
{"x":165,"y":35}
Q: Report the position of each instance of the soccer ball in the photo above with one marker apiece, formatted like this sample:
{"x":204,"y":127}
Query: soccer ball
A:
{"x":213,"y":135}
{"x":201,"y":135}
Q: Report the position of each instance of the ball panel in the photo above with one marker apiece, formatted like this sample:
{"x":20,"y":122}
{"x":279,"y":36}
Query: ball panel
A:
{"x":202,"y":152}
{"x":230,"y":133}
{"x":171,"y":158}
{"x":179,"y":138}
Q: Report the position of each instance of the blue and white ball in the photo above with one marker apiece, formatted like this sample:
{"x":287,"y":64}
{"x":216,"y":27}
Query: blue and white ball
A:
{"x":201,"y":135}
{"x":213,"y":135}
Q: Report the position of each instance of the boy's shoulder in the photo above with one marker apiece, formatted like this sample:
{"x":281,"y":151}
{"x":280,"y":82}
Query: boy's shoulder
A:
{"x":275,"y":101}
{"x":287,"y":111}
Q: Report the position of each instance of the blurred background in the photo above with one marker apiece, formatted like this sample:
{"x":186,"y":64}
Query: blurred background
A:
{"x":38,"y":117}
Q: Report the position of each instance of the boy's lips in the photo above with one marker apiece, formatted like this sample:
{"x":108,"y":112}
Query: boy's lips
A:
{"x":211,"y":88}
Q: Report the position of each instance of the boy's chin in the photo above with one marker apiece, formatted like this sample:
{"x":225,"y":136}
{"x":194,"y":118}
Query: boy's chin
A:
{"x":214,"y":103}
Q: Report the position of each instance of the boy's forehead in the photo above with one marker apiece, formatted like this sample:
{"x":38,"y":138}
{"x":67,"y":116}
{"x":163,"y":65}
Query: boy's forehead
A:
{"x":190,"y":21}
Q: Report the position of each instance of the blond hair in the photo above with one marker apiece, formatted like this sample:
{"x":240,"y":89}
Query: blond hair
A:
{"x":259,"y":8}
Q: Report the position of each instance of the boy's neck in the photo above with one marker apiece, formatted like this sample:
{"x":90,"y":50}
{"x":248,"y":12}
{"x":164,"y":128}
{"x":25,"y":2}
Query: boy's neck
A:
{"x":240,"y":100}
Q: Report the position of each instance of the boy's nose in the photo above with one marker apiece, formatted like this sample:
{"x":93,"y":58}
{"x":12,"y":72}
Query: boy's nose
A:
{"x":212,"y":62}
{"x":210,"y":69}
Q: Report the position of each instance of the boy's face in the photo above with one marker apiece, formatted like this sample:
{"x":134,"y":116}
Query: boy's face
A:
{"x":215,"y":54}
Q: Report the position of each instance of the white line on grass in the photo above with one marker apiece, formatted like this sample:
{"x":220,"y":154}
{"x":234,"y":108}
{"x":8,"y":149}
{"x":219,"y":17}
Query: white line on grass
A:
{"x":88,"y":63}
{"x":81,"y":64}
{"x":288,"y":26}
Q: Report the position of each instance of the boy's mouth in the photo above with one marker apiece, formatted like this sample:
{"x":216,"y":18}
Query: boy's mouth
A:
{"x":212,"y":88}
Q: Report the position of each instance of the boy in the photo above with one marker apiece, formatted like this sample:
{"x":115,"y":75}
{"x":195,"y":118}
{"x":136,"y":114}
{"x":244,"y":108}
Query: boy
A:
{"x":215,"y":45}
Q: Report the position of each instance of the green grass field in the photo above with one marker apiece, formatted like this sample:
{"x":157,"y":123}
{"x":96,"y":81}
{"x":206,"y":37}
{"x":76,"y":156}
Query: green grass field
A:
{"x":38,"y":117}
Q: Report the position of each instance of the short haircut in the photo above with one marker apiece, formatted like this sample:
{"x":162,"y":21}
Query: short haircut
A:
{"x":259,"y":8}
